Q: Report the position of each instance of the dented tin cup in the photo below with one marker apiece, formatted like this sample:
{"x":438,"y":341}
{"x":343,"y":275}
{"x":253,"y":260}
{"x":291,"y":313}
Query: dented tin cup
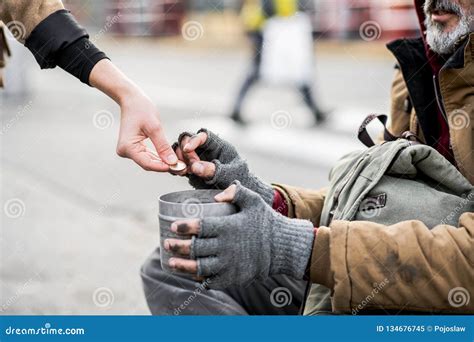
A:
{"x":187,"y":205}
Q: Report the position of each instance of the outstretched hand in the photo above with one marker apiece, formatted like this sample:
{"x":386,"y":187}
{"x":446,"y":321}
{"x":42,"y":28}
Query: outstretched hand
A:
{"x":139,"y":119}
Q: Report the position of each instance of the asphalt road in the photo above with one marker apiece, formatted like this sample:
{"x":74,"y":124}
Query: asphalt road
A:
{"x":77,"y":221}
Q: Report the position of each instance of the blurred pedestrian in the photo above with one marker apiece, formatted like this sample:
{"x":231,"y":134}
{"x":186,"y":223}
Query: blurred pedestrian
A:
{"x":55,"y":38}
{"x":255,"y":14}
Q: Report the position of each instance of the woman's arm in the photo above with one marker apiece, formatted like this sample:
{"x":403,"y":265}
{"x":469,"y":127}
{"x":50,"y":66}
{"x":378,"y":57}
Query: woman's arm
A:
{"x":56,"y":39}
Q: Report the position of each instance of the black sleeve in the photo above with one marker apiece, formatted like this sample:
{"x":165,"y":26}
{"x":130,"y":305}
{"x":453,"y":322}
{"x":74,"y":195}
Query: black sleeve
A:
{"x":60,"y":41}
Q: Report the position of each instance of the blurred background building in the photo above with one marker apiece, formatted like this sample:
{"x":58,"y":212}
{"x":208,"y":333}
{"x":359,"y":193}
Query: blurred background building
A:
{"x":333,"y":19}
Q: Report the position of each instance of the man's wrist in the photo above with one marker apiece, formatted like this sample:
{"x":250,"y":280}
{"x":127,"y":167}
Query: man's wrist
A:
{"x":279,"y":203}
{"x":292,"y":243}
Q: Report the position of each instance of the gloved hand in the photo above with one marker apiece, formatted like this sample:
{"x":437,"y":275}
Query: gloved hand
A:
{"x":215,"y":163}
{"x":252,"y":244}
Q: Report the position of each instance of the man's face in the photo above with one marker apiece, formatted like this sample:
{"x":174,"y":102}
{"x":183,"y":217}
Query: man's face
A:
{"x":447,"y":21}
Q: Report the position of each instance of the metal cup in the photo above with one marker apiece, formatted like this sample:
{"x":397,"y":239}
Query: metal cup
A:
{"x":185,"y":205}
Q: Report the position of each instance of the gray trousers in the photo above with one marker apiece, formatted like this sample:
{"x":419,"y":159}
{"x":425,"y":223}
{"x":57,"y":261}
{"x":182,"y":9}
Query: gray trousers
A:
{"x":168,"y":294}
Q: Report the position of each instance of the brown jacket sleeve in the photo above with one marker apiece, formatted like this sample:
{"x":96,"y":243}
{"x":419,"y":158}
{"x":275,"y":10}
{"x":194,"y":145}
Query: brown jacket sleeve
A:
{"x":400,"y":108}
{"x":22,"y":16}
{"x":302,"y":203}
{"x":405,"y":266}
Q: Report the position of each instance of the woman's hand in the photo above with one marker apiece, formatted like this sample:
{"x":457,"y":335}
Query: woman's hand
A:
{"x":139,"y":119}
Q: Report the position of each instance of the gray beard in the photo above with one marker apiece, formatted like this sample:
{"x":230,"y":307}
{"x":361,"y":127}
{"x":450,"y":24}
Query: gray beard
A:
{"x":444,"y":43}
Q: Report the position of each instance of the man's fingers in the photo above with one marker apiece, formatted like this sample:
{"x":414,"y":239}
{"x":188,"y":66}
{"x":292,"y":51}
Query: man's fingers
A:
{"x":186,"y":227}
{"x":203,"y":169}
{"x":227,"y":195}
{"x":162,"y":146}
{"x":176,"y":246}
{"x":194,"y":142}
{"x":208,"y":266}
{"x":179,"y":153}
{"x":183,"y":265}
{"x":149,"y":162}
{"x":190,"y":156}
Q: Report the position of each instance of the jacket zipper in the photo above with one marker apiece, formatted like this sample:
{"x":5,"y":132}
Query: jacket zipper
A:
{"x":439,"y":101}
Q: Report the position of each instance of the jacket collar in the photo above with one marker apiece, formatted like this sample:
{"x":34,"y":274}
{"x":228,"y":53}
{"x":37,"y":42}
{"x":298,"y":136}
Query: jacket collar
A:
{"x":418,"y":74}
{"x":414,"y":50}
{"x":458,"y":60}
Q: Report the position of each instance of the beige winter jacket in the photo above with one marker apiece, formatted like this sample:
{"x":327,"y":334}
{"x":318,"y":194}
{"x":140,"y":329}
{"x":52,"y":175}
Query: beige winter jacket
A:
{"x":21,"y":17}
